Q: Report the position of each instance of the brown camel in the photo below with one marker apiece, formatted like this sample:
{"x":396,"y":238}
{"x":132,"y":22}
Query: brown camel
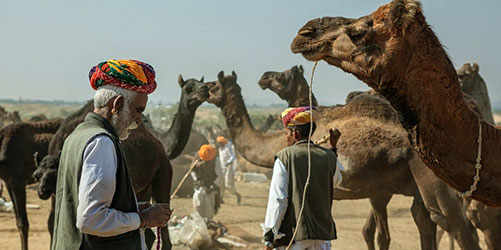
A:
{"x":294,"y":89}
{"x":147,"y":159}
{"x":367,"y":122}
{"x":395,"y":52}
{"x":7,"y":118}
{"x":18,"y":143}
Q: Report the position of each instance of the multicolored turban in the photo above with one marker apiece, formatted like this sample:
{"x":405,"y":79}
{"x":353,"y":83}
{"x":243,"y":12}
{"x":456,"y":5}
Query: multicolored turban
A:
{"x":128,"y":74}
{"x":222,"y":140}
{"x":298,"y":116}
{"x":207,"y":152}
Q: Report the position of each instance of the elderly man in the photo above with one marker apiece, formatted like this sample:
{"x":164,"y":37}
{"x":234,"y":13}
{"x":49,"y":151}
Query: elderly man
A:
{"x":96,"y":207}
{"x":316,"y":227}
{"x":227,"y":162}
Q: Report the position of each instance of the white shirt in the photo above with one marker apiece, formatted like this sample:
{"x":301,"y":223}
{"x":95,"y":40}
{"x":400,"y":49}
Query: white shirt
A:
{"x":96,"y":190}
{"x":226,"y":154}
{"x":277,"y":201}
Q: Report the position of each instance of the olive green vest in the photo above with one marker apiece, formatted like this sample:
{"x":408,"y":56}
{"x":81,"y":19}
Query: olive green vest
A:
{"x":66,"y":235}
{"x":316,"y":222}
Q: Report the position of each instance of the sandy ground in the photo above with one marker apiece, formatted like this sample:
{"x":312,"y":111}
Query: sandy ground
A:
{"x":245,"y":220}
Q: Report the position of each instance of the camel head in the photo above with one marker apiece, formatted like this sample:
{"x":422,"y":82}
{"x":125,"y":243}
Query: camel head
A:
{"x":469,"y":78}
{"x":194,"y":92}
{"x":365,"y":46}
{"x":46,"y":175}
{"x":282,"y":82}
{"x":219,"y":90}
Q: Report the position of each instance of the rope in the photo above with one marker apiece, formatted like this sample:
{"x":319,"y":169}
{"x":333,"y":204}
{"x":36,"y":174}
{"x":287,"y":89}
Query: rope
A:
{"x":478,"y":166}
{"x":309,"y":159}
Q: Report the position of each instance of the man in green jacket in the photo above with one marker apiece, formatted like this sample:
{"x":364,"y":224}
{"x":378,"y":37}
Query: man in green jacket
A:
{"x":96,"y":207}
{"x":315,"y":228}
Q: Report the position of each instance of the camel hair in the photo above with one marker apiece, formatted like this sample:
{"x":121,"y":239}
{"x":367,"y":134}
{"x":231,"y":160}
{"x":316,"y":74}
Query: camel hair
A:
{"x":18,"y":143}
{"x":395,"y":52}
{"x":148,"y":161}
{"x":384,"y":169}
{"x":291,"y":86}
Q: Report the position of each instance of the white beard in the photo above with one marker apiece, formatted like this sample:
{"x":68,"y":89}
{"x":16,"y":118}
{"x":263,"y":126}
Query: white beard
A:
{"x":123,"y":123}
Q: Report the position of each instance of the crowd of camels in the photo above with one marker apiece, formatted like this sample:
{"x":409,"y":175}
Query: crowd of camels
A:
{"x":414,"y":134}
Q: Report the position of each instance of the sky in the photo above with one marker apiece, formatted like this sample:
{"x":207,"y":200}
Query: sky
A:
{"x":48,"y":47}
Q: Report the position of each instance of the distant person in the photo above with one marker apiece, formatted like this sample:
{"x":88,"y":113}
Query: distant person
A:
{"x":227,"y":160}
{"x":207,"y":196}
{"x":96,"y":207}
{"x":316,"y":228}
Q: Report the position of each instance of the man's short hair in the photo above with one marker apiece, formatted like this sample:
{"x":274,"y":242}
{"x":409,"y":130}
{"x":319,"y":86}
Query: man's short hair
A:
{"x":105,"y":93}
{"x":304,"y":130}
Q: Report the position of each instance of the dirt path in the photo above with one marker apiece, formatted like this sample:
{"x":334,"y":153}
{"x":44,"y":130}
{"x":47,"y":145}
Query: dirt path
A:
{"x":245,"y":221}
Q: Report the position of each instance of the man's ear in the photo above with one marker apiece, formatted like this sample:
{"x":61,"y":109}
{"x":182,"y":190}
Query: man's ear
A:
{"x":118,"y":103}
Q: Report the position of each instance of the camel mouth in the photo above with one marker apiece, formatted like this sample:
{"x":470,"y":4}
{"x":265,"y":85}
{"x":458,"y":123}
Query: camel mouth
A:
{"x":264,"y":83}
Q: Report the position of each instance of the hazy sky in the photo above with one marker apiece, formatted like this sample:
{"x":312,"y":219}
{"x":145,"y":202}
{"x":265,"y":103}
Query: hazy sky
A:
{"x":48,"y":47}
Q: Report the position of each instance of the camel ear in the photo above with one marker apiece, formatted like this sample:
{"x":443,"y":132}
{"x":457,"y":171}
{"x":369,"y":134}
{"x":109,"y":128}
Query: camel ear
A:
{"x":202,"y":80}
{"x":301,"y":70}
{"x":36,"y":160}
{"x":220,"y":77}
{"x":402,"y":14}
{"x":475,"y":67}
{"x":234,"y":74}
{"x":180,"y":80}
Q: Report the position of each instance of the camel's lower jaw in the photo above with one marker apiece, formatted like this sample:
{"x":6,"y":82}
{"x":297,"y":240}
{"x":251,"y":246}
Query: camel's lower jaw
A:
{"x":312,"y":56}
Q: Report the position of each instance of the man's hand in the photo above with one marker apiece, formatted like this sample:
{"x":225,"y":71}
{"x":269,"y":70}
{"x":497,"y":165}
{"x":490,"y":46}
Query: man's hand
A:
{"x":334,"y":137}
{"x":143,"y":205}
{"x":268,"y":248}
{"x":156,"y":215}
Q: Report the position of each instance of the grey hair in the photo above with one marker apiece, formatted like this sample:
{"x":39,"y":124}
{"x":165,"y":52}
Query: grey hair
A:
{"x":105,"y":93}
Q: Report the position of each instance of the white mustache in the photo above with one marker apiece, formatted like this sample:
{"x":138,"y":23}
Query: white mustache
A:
{"x":133,"y":125}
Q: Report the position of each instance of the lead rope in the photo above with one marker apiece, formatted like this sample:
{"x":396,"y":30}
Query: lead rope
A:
{"x":478,"y":166}
{"x":159,"y":238}
{"x":309,"y":158}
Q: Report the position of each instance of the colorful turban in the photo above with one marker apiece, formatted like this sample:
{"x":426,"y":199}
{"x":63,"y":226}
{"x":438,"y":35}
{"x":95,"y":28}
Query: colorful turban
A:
{"x":222,"y":140}
{"x":298,"y":116}
{"x":128,"y":74}
{"x":207,"y":152}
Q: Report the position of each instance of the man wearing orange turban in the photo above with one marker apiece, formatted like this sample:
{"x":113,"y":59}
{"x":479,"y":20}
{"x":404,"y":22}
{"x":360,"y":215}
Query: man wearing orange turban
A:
{"x":206,"y":196}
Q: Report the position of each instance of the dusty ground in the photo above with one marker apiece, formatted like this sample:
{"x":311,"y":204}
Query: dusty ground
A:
{"x":244,"y":220}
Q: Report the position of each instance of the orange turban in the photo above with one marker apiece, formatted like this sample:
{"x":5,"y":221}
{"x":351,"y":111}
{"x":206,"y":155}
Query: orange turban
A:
{"x":207,"y":152}
{"x":222,"y":140}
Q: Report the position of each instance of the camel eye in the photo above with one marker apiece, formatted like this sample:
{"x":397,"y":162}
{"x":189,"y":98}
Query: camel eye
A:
{"x":356,"y":35}
{"x":306,"y":32}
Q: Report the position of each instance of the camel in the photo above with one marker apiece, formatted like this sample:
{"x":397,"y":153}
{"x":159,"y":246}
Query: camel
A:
{"x":18,"y":143}
{"x":291,"y":86}
{"x":148,"y":161}
{"x":7,"y":118}
{"x":395,"y":52}
{"x":367,"y":122}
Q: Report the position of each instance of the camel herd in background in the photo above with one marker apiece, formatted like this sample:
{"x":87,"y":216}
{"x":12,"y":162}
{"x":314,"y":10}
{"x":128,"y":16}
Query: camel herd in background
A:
{"x":374,"y":148}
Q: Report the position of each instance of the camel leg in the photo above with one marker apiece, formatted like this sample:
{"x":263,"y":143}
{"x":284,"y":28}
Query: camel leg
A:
{"x":457,"y":225}
{"x":50,"y":220}
{"x":369,"y":230}
{"x":378,"y":217}
{"x":427,"y":229}
{"x":160,"y":189}
{"x":17,"y":194}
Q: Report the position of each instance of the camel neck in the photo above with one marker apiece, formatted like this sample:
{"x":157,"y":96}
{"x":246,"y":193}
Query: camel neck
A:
{"x":258,"y":148}
{"x":177,"y":136}
{"x":301,"y":97}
